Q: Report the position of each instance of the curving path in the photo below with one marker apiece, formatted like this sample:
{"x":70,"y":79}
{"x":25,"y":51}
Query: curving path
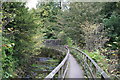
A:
{"x":74,"y":70}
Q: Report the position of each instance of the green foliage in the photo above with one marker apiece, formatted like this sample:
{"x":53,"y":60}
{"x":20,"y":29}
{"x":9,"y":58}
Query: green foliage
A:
{"x":96,"y":56}
{"x":47,"y":15}
{"x":111,"y":22}
{"x":69,"y":42}
{"x":8,"y":62}
{"x":24,"y":30}
{"x":113,"y":26}
{"x":18,"y":29}
{"x":76,"y":21}
{"x":108,"y":9}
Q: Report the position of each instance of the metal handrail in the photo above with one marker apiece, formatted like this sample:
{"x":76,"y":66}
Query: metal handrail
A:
{"x":90,"y":65}
{"x":61,"y":69}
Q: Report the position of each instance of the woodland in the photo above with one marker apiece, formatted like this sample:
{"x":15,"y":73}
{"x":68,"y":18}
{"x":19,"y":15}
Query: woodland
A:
{"x":92,"y":27}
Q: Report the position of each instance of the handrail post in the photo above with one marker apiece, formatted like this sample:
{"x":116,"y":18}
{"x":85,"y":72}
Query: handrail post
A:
{"x":59,"y":73}
{"x":59,"y":69}
{"x":92,"y":66}
{"x":94,"y":71}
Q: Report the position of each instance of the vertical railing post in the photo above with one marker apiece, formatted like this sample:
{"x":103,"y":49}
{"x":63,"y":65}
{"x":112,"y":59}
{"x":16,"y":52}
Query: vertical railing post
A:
{"x":94,"y":71}
{"x":59,"y":74}
{"x":82,"y":60}
{"x":102,"y":78}
{"x":85,"y":60}
{"x":52,"y":78}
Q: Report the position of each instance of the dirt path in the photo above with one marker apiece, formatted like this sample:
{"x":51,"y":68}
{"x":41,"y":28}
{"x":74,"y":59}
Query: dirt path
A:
{"x":74,"y":70}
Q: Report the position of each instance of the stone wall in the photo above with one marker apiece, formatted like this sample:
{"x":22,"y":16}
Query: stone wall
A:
{"x":53,"y":42}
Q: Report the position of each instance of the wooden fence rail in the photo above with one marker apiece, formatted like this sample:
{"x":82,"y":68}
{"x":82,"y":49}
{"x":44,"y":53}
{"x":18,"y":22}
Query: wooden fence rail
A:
{"x":61,"y":70}
{"x":91,"y":69}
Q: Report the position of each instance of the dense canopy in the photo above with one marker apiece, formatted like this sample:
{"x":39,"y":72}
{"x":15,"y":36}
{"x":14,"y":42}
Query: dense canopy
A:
{"x":92,"y":27}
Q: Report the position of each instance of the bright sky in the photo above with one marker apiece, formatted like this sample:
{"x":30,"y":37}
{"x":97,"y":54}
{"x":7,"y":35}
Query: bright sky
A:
{"x":31,"y":3}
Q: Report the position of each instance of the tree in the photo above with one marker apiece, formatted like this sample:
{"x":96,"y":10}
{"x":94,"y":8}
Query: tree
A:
{"x":80,"y":21}
{"x":111,"y":21}
{"x":18,"y":29}
{"x":47,"y":13}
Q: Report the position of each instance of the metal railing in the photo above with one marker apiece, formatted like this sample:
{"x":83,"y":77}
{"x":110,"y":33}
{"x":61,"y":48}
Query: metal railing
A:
{"x":90,"y":67}
{"x":61,"y":70}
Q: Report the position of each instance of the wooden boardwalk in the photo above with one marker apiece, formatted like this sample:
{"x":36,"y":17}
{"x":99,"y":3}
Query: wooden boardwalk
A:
{"x":69,"y":69}
{"x":74,"y":70}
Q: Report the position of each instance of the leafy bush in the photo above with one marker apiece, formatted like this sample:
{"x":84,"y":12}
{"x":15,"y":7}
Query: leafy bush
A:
{"x":18,"y":29}
{"x":113,"y":26}
{"x":100,"y":59}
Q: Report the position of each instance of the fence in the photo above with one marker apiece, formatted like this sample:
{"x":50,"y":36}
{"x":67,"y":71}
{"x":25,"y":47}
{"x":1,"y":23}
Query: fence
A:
{"x":61,"y":70}
{"x":90,"y":67}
